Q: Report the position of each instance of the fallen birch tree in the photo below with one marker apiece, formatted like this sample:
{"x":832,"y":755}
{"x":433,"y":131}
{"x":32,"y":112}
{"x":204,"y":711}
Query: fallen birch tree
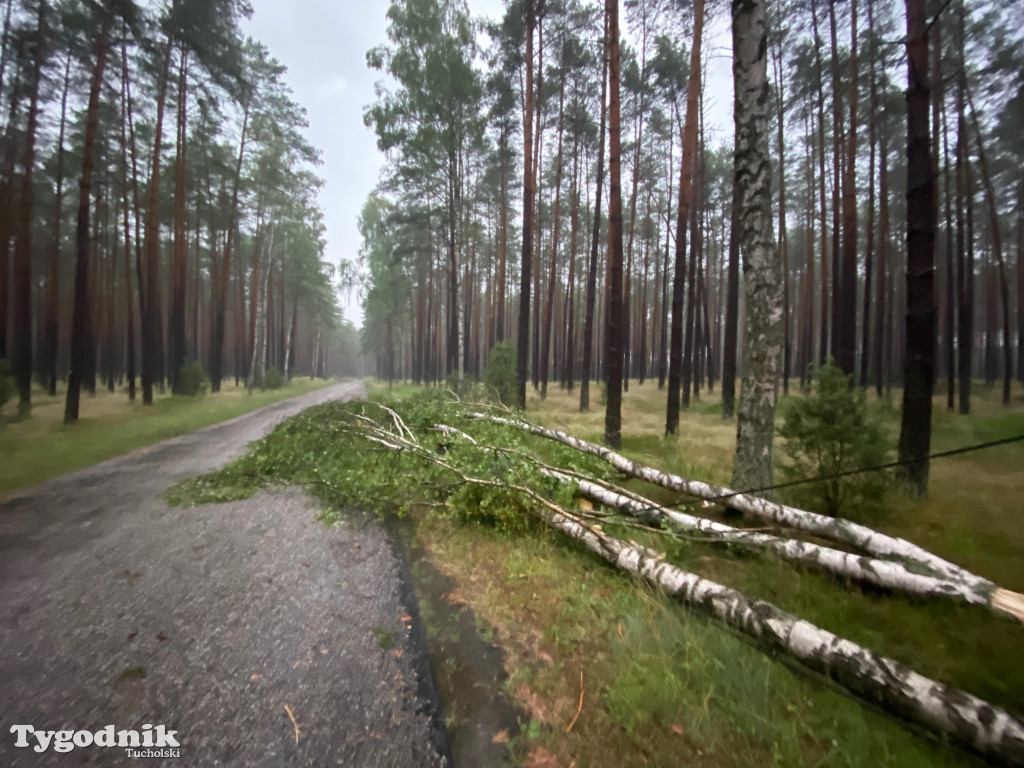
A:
{"x":367,"y":455}
{"x":866,"y":539}
{"x":883,"y":573}
{"x":877,"y":679}
{"x":988,"y":729}
{"x":889,"y":574}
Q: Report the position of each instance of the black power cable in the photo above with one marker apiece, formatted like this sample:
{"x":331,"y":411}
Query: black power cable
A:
{"x":877,"y":468}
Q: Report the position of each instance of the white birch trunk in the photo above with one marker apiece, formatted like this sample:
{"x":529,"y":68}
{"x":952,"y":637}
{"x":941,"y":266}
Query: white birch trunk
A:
{"x":316,"y":353}
{"x":877,"y":679}
{"x":989,"y":729}
{"x":288,"y":346}
{"x":836,"y":529}
{"x":883,"y":573}
{"x":762,"y":342}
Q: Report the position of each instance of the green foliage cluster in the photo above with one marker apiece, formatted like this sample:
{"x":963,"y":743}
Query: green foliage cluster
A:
{"x":500,"y":373}
{"x":194,"y":381}
{"x":7,"y":386}
{"x":830,"y":432}
{"x":326,"y":450}
{"x":658,"y":668}
{"x":273,"y":379}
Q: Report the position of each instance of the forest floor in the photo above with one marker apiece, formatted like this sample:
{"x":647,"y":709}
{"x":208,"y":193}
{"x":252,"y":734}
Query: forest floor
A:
{"x":656,"y":685}
{"x":42,"y":446}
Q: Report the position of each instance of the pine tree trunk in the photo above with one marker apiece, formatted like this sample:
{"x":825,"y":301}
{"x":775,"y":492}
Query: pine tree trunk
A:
{"x":51,"y":332}
{"x":129,"y":292}
{"x":537,"y":226}
{"x":997,"y":249}
{"x":221,"y":300}
{"x":965,"y":270}
{"x":869,"y":252}
{"x":22,"y":273}
{"x":83,"y":346}
{"x":614,"y":340}
{"x":846,"y":342}
{"x":919,"y":365}
{"x":693,"y":89}
{"x":545,"y":347}
{"x":499,"y":308}
{"x":257,"y":368}
{"x":837,"y":140}
{"x":951,"y":276}
{"x":663,"y":317}
{"x":179,"y":268}
{"x":779,"y":61}
{"x":826,"y":315}
{"x":588,"y":322}
{"x":883,"y":332}
{"x":522,"y":340}
{"x":691,"y":310}
{"x":152,"y":335}
{"x":569,"y":371}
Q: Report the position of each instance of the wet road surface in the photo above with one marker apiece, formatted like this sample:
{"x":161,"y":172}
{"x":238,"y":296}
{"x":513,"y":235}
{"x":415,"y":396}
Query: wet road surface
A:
{"x":258,"y":635}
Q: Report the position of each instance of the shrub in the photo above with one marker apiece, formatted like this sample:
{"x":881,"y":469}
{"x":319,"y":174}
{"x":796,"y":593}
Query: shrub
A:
{"x":273,"y":379}
{"x":500,"y":373}
{"x":193,"y":381}
{"x":7,"y":385}
{"x":829,"y":432}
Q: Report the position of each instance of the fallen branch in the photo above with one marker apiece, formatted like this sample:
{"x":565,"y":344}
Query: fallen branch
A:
{"x":295,"y":724}
{"x":988,"y":729}
{"x":882,"y":573}
{"x":837,"y":529}
{"x":579,"y":709}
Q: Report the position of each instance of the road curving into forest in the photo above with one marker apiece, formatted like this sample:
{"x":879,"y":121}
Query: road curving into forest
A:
{"x":259,"y":636}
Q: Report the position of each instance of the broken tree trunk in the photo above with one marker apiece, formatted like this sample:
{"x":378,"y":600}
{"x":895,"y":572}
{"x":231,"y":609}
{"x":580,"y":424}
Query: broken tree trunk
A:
{"x":883,"y":573}
{"x":836,"y":529}
{"x":990,"y":730}
{"x":874,"y":678}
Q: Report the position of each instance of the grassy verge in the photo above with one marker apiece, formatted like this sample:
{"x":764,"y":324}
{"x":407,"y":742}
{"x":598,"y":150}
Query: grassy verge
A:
{"x":660,"y":684}
{"x":42,"y":446}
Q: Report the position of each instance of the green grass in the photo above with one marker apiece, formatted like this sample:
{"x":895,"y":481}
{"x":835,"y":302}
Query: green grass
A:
{"x":662,"y":685}
{"x":42,"y":446}
{"x":652,"y":668}
{"x":396,"y":389}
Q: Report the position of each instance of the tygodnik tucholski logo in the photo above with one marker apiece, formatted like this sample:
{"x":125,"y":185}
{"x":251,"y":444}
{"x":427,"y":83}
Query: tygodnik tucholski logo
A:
{"x":150,"y":741}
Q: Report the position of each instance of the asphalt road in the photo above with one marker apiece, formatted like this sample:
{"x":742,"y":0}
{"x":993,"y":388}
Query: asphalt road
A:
{"x":220,"y":622}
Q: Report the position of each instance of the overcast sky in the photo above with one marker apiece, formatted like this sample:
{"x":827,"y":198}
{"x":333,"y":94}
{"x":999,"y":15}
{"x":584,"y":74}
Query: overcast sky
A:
{"x":323,"y":43}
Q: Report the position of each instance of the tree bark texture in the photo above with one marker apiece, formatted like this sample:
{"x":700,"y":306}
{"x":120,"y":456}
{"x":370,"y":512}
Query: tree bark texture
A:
{"x":762,"y":344}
